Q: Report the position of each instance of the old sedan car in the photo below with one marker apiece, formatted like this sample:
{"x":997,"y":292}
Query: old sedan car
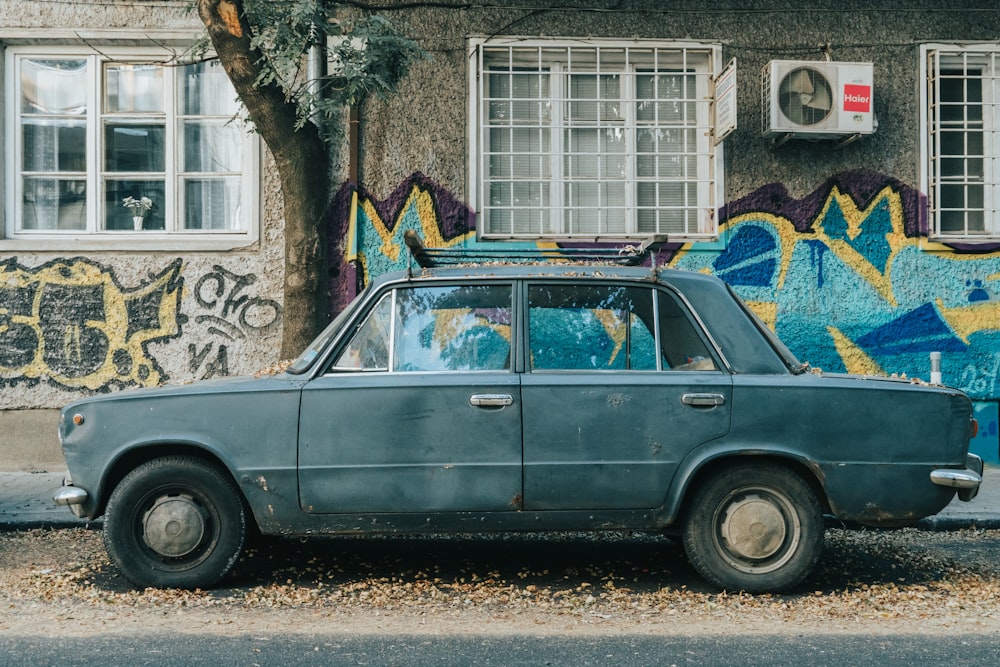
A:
{"x":521,"y":398}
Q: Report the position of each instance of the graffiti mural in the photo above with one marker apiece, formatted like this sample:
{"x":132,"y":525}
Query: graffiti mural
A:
{"x":846,"y":275}
{"x":849,"y":279}
{"x":230,"y":314}
{"x":71,"y":324}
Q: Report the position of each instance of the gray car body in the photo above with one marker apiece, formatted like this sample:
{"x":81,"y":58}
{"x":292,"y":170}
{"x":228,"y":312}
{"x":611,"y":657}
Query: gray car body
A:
{"x":299,"y":444}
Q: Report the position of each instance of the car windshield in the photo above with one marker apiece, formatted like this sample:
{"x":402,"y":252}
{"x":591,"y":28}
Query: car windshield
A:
{"x":321,"y":342}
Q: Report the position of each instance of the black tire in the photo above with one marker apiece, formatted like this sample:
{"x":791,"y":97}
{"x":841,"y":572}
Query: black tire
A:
{"x":175,"y":522}
{"x":754,"y":527}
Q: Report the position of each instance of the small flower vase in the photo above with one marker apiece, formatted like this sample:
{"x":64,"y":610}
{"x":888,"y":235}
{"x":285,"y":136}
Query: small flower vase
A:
{"x":137,"y":221}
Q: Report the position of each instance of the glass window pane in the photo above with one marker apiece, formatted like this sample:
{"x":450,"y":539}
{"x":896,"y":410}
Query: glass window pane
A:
{"x":683,"y":349}
{"x":369,"y":348}
{"x":51,"y":144}
{"x":461,"y":328}
{"x":595,"y":98}
{"x":212,"y":203}
{"x":203,"y":89}
{"x":212,"y":146}
{"x":133,"y":89}
{"x":54,"y":86}
{"x":134,"y":147}
{"x":620,"y":117}
{"x":591,"y":327}
{"x":50,"y":203}
{"x":89,"y":119}
{"x":117,"y":216}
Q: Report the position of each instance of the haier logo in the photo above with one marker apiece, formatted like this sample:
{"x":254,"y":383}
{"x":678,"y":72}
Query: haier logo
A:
{"x":857,"y":98}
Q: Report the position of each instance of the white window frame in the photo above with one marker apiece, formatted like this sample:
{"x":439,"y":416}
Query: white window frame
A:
{"x":174,"y":236}
{"x":708,"y":183}
{"x":934,"y":58}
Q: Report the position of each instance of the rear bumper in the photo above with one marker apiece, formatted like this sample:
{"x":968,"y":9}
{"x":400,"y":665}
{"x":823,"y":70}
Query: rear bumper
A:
{"x":967,"y":480}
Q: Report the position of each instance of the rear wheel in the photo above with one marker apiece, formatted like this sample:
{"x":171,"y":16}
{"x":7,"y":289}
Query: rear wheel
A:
{"x":754,"y":527}
{"x":175,"y":522}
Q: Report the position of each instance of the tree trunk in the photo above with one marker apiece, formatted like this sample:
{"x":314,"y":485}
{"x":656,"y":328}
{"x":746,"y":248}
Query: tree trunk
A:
{"x":303,"y":166}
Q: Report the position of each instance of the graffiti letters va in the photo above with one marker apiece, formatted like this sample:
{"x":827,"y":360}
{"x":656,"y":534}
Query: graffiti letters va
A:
{"x":70,"y":323}
{"x":232,"y":315}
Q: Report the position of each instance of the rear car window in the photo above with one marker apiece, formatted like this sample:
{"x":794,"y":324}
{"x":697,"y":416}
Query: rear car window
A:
{"x":610,"y":327}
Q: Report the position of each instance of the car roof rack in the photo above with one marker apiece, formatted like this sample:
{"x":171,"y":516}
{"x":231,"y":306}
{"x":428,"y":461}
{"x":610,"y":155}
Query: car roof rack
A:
{"x":431,"y":257}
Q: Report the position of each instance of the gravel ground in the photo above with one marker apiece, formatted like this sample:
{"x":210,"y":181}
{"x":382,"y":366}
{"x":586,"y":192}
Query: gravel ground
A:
{"x":61,"y":583}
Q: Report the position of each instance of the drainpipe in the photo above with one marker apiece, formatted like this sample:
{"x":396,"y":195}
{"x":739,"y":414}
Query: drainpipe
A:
{"x":315,"y":65}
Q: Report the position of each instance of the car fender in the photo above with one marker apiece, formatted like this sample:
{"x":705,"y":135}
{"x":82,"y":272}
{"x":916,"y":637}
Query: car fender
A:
{"x":719,"y":452}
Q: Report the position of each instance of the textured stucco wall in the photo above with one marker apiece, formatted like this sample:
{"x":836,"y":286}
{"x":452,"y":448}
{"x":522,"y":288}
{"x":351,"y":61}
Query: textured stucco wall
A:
{"x":76,"y":323}
{"x":424,"y":128}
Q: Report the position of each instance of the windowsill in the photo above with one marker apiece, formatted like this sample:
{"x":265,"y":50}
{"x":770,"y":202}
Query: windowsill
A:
{"x":979,"y":238}
{"x":625,"y":238}
{"x":130,"y":243}
{"x":953,"y":243}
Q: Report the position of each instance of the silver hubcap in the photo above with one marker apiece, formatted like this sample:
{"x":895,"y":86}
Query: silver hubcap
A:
{"x":174,"y":526}
{"x":754,"y":529}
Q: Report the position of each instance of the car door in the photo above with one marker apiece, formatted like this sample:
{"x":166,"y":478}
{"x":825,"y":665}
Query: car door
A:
{"x":620,"y":385}
{"x":420,"y":410}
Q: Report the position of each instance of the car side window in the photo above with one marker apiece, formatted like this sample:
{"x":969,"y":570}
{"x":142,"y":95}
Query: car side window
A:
{"x":591,"y":327}
{"x":369,"y":348}
{"x":453,"y":328}
{"x":683,"y":349}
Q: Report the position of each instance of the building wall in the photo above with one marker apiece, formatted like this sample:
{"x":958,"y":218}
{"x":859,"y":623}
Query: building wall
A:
{"x":77,"y":322}
{"x":828,"y":244}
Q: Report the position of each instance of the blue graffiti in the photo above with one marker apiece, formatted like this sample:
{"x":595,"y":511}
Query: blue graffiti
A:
{"x":743,"y":262}
{"x":920,"y":330}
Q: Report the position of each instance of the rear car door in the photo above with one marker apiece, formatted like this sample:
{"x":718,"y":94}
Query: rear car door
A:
{"x":620,"y":385}
{"x":420,"y":410}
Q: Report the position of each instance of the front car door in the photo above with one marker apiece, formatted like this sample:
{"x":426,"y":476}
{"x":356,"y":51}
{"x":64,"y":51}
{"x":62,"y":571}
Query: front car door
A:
{"x":419,"y":411}
{"x":620,"y":386}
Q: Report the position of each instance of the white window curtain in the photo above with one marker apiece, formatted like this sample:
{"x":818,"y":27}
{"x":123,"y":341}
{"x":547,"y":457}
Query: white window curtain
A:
{"x":87,"y":131}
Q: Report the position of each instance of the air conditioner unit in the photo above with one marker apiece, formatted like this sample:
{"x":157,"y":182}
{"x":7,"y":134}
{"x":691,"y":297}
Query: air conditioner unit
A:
{"x":817,"y":99}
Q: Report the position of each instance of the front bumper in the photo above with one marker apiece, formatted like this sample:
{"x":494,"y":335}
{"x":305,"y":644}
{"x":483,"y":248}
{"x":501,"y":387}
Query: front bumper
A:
{"x":967,"y":481}
{"x":72,"y":496}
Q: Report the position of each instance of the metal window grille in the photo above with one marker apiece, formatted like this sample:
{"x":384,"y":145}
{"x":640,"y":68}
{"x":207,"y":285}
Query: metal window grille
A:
{"x":595,"y":142}
{"x":963,"y":140}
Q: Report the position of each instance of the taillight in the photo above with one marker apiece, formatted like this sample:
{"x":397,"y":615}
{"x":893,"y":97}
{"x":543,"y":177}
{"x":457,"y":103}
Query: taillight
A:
{"x":974,"y":429}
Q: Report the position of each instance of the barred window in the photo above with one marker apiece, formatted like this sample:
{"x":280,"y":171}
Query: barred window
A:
{"x":962,"y":141}
{"x":607,"y":140}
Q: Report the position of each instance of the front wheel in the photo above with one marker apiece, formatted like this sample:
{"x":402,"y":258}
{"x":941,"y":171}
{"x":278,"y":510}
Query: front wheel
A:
{"x":754,"y":527}
{"x":175,"y":522}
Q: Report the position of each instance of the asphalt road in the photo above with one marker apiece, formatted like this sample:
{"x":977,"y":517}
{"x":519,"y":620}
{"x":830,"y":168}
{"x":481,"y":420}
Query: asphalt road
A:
{"x":492,"y":651}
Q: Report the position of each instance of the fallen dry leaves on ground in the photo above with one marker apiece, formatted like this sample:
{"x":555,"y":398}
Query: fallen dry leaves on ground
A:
{"x":928,"y":581}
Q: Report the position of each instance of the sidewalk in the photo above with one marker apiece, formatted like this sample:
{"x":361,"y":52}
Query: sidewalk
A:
{"x":26,"y":502}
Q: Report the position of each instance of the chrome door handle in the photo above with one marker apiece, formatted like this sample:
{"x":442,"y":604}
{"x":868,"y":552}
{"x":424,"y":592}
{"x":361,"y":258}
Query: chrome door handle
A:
{"x":703,"y":400}
{"x":491,"y":400}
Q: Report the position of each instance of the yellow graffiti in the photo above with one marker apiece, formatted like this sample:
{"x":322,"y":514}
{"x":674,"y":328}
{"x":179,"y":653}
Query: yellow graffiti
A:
{"x":767,"y":311}
{"x":615,"y":328}
{"x":880,"y":280}
{"x":967,"y":320}
{"x":854,"y":358}
{"x":855,"y":217}
{"x":847,"y":231}
{"x":392,"y":243}
{"x":110,"y":319}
